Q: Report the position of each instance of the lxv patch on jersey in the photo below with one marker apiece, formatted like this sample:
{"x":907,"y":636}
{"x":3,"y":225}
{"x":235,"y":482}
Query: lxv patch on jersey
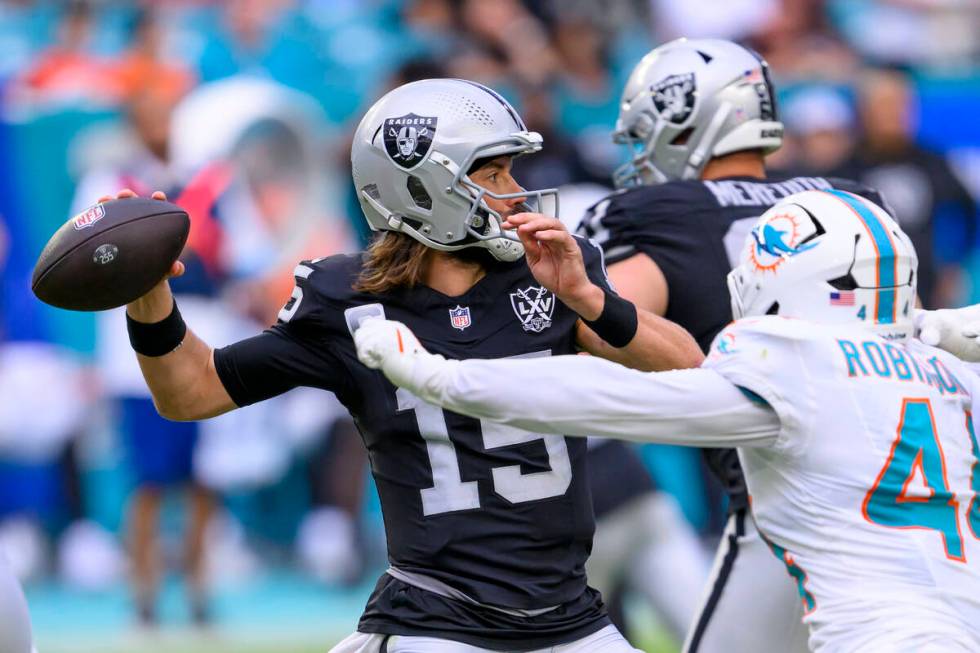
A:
{"x":534,"y":307}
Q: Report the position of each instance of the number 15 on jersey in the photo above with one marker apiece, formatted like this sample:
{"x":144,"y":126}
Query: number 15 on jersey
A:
{"x":449,"y":492}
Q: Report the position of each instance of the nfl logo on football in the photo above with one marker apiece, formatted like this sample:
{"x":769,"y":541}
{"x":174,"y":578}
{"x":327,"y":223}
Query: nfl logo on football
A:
{"x":459,"y":317}
{"x":89,"y":217}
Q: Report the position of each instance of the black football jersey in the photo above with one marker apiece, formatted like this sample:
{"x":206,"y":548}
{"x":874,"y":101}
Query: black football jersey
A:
{"x":694,"y":231}
{"x":501,"y":515}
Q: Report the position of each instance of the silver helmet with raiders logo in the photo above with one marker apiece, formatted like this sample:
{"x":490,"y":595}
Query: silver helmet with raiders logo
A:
{"x":688,"y":101}
{"x":410,"y":158}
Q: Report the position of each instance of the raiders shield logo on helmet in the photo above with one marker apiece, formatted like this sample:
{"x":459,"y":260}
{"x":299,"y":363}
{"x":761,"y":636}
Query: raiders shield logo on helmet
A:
{"x":674,"y":97}
{"x":408,"y":138}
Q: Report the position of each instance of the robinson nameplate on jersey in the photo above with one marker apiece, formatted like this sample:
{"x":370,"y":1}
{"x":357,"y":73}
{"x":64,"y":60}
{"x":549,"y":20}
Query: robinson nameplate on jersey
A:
{"x":533,"y":306}
{"x":674,"y":97}
{"x":408,"y":138}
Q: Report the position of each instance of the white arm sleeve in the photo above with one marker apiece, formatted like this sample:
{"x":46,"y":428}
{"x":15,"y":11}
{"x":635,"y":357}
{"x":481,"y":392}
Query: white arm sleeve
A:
{"x":584,"y":395}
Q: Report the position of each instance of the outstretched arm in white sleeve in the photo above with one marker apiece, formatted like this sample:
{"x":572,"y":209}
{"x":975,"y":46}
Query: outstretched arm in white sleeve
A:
{"x":574,"y":395}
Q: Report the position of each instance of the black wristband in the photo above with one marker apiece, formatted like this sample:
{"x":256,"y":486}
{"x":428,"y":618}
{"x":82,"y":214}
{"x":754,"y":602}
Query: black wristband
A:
{"x":617,"y":323}
{"x":157,"y":338}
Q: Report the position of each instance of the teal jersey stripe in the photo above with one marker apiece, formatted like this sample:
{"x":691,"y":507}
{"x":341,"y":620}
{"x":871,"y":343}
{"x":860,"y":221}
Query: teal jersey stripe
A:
{"x":794,"y":570}
{"x":885,"y":305}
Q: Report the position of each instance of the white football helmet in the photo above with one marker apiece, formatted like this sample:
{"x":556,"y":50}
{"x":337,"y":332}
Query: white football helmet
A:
{"x":410,"y":158}
{"x":688,"y":101}
{"x":831,"y":257}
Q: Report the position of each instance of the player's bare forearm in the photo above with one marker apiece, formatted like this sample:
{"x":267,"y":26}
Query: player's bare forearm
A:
{"x":640,"y":280}
{"x":658,"y":345}
{"x":184,"y":383}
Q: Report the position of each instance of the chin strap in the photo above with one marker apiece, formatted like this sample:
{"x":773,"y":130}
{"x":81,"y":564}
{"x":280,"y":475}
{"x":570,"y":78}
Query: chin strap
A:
{"x":504,"y":249}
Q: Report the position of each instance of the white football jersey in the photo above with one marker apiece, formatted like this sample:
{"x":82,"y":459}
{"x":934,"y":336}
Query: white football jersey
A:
{"x":869,"y":493}
{"x":861,"y":462}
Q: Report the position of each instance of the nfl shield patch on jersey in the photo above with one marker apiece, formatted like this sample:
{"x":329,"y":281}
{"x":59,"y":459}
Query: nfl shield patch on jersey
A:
{"x":459,"y":317}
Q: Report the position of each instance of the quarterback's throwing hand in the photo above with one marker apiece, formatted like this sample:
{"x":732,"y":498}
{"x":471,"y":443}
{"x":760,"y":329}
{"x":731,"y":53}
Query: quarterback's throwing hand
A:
{"x":953,"y":330}
{"x":389,"y":346}
{"x":555,"y":260}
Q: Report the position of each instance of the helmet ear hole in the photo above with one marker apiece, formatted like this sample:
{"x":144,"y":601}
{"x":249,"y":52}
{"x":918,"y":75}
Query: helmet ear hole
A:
{"x":419,"y":195}
{"x":414,"y":224}
{"x":846,"y":282}
{"x":683,"y":137}
{"x":773,"y":309}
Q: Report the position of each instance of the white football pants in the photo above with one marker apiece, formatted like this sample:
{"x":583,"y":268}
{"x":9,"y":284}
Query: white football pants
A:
{"x":650,"y":543}
{"x":607,"y":640}
{"x":750,"y":603}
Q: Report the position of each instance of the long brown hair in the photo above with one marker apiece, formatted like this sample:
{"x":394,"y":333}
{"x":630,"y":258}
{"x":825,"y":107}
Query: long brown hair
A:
{"x":392,"y":260}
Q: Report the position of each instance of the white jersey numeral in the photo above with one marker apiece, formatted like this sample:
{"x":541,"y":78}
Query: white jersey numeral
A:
{"x":287,"y":312}
{"x":449,"y":492}
{"x":517,"y":487}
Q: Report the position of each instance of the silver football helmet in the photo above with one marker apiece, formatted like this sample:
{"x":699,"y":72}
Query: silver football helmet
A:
{"x":690,"y":100}
{"x":410,"y":158}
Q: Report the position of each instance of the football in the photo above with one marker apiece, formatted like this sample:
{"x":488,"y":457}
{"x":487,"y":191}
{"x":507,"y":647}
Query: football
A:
{"x":110,"y":254}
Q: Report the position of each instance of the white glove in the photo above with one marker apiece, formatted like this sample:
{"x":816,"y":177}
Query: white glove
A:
{"x":391,"y":347}
{"x":953,"y":330}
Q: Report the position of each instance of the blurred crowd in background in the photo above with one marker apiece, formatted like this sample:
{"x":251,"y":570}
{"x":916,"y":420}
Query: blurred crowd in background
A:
{"x":242,"y":111}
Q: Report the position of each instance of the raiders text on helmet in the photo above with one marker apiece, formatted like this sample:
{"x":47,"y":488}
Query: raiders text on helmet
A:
{"x":408,"y":138}
{"x":690,"y":100}
{"x":828,"y":256}
{"x":410,"y":158}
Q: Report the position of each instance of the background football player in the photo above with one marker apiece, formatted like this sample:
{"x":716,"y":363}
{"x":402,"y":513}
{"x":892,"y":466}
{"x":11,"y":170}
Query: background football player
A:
{"x":700,"y":117}
{"x":488,"y":529}
{"x":858,"y":441}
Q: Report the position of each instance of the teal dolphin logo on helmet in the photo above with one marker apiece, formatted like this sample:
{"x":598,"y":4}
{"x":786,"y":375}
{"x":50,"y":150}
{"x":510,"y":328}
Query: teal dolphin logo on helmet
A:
{"x":777,"y":239}
{"x":772,"y":241}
